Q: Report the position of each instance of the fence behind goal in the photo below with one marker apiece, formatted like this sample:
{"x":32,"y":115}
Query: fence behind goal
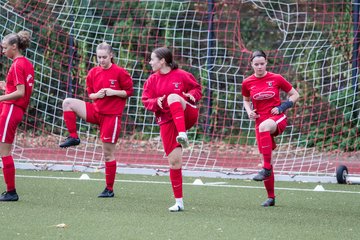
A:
{"x":314,"y":45}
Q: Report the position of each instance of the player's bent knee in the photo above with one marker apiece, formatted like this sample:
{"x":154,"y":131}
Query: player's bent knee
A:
{"x":67,"y":103}
{"x":267,"y":125}
{"x":173,"y":97}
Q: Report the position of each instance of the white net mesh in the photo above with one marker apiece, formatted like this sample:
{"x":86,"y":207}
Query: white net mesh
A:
{"x":310,"y":44}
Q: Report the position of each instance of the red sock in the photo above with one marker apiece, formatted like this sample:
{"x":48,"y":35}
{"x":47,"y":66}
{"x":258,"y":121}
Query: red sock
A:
{"x":176,"y":182}
{"x":70,"y":122}
{"x":266,"y":148}
{"x":9,"y":172}
{"x":110,"y":172}
{"x":177,"y":113}
{"x":269,"y":184}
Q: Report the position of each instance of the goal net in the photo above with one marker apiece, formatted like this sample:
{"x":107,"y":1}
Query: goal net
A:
{"x":313,"y":44}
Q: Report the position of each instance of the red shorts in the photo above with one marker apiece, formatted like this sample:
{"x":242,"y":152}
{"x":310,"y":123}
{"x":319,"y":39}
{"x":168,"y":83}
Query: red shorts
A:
{"x":110,"y":125}
{"x":281,"y":122}
{"x":169,"y":132}
{"x":10,"y":117}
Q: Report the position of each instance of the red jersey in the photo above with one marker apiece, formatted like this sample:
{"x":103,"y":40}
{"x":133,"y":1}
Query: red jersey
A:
{"x":265,"y":92}
{"x":21,"y":73}
{"x":176,"y":81}
{"x":115,"y":78}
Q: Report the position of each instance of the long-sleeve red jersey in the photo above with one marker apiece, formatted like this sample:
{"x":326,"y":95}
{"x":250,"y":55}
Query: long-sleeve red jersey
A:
{"x":265,"y":92}
{"x":115,"y":78}
{"x":21,"y":73}
{"x":176,"y":81}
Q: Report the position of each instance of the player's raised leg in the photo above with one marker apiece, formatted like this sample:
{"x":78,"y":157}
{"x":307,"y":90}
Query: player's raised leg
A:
{"x":266,"y":128}
{"x":177,"y":107}
{"x":71,"y":109}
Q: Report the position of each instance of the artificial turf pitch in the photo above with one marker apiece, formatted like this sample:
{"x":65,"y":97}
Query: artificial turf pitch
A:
{"x":58,"y":205}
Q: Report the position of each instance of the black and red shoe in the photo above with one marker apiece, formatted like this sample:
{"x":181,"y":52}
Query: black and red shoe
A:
{"x":10,"y":196}
{"x":69,"y":142}
{"x":270,"y":202}
{"x":106,"y":193}
{"x":262,"y":175}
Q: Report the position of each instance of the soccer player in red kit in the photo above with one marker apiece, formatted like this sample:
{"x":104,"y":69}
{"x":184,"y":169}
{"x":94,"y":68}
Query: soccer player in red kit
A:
{"x":108,"y":85}
{"x":171,"y":93}
{"x":261,"y":95}
{"x":13,"y":104}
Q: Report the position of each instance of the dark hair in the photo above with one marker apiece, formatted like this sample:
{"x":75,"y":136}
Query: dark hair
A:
{"x":258,"y":53}
{"x":165,"y":53}
{"x":21,"y":39}
{"x":107,"y":47}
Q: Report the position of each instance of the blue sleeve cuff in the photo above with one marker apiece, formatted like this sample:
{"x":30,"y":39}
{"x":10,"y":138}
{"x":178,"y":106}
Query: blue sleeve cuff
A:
{"x":285,"y":105}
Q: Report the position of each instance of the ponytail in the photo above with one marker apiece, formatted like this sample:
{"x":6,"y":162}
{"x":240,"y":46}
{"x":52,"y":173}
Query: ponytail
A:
{"x":21,"y":39}
{"x":24,"y":40}
{"x":173,"y":65}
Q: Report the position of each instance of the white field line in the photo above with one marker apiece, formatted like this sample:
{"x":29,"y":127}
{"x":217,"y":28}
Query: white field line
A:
{"x":190,"y":184}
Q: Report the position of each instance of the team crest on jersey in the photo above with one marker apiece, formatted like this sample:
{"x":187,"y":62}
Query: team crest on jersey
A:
{"x":29,"y":77}
{"x":177,"y":84}
{"x":112,"y":82}
{"x":270,"y":83}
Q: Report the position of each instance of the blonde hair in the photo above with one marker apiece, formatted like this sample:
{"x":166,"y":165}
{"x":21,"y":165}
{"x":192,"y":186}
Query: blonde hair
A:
{"x":21,"y":39}
{"x":107,"y":47}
